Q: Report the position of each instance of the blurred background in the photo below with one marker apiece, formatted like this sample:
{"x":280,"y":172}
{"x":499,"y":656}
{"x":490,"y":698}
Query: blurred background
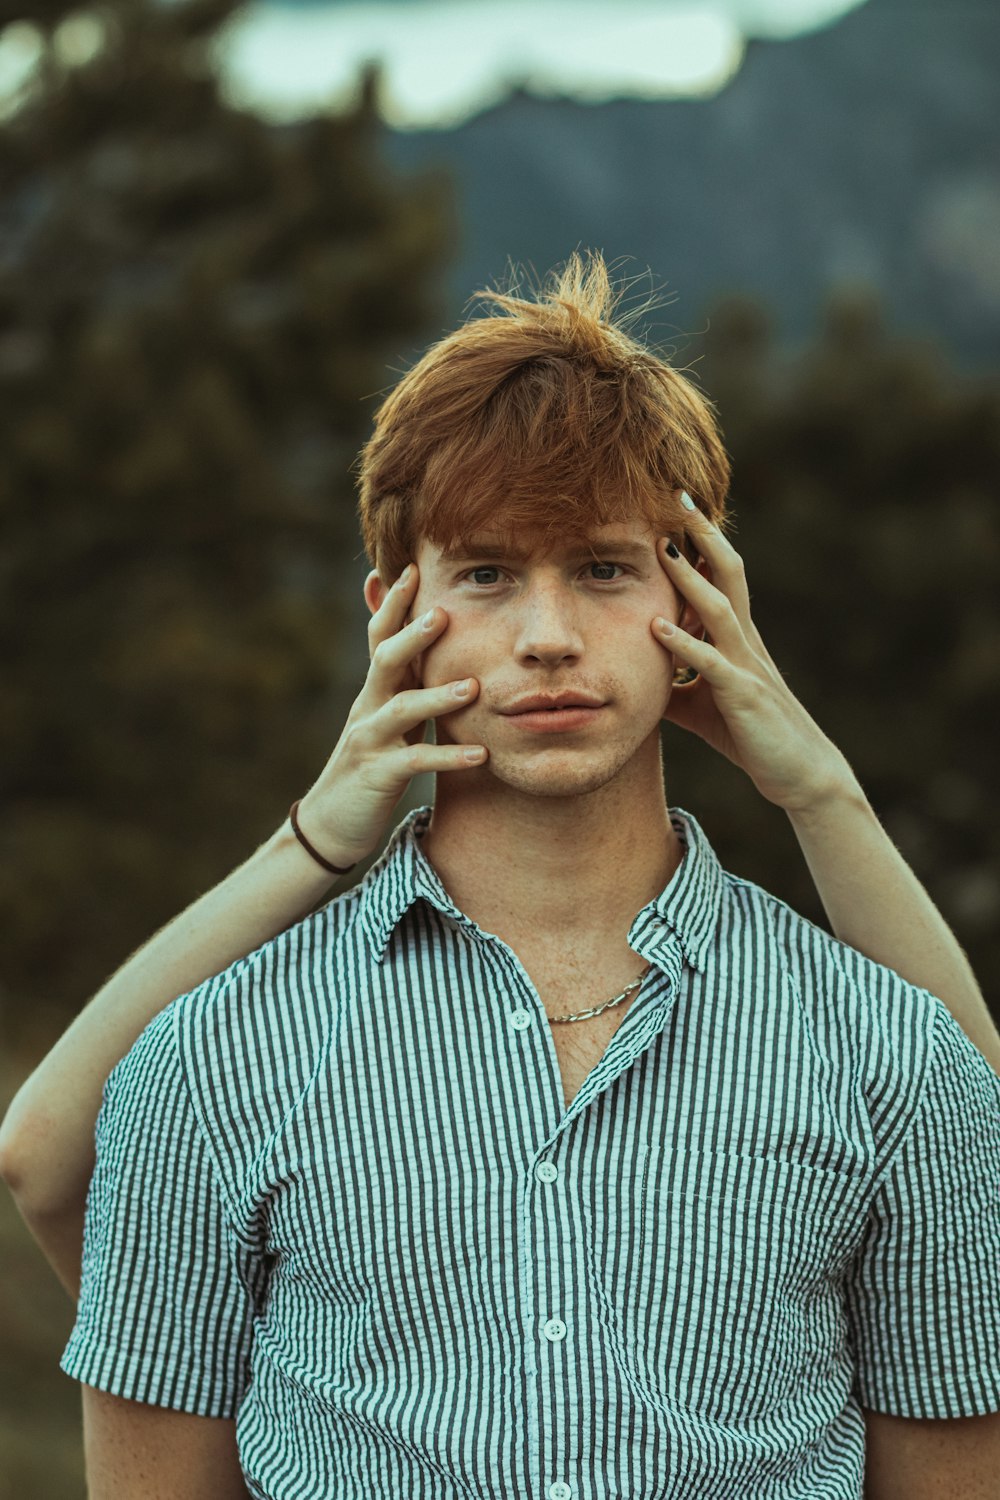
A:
{"x":226,"y":230}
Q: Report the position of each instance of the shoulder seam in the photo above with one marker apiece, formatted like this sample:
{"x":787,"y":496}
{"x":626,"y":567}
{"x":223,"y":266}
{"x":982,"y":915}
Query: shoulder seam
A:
{"x":920,"y":1094}
{"x":228,"y":1208}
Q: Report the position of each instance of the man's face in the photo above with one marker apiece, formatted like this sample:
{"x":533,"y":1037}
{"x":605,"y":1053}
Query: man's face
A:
{"x":547,"y":624}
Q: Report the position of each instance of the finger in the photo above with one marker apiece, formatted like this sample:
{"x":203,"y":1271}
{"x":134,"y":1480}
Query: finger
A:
{"x":393,"y":654}
{"x":413,"y":760}
{"x":691,"y":652}
{"x":391,"y":613}
{"x":714,"y":608}
{"x":406,"y":710}
{"x":726,"y":564}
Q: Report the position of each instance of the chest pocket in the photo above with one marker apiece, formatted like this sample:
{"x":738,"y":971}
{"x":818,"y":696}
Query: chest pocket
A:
{"x":724,"y":1298}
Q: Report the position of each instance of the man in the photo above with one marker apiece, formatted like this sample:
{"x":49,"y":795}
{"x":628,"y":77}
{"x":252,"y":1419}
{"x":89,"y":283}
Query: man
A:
{"x":551,"y":1159}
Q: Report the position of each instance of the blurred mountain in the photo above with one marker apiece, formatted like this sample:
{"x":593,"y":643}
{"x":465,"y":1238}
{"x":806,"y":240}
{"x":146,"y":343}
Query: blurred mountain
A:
{"x":867,"y":152}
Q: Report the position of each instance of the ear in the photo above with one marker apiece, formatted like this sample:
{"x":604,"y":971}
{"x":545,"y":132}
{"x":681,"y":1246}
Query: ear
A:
{"x":375,"y":591}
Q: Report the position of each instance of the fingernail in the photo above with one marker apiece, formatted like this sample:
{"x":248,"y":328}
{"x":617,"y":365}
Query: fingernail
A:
{"x":664,"y":626}
{"x":404,"y":577}
{"x":672,"y":550}
{"x":687,"y":502}
{"x":428,"y":620}
{"x":461,"y":689}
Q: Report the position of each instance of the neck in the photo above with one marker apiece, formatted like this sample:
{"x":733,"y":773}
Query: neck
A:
{"x":574,"y":868}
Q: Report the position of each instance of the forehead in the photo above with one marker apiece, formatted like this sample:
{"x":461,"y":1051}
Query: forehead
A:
{"x":634,"y":537}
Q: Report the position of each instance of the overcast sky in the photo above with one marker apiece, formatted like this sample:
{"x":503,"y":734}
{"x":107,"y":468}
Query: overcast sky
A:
{"x":446,"y":59}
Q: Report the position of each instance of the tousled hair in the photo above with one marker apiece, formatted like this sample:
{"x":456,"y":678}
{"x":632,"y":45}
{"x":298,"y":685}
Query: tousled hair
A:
{"x":548,"y":418}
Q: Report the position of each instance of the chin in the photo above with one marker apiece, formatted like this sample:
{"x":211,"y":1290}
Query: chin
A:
{"x":560,"y":777}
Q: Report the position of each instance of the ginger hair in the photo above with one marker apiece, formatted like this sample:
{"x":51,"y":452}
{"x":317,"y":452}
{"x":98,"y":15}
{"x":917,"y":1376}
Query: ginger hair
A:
{"x":548,"y":418}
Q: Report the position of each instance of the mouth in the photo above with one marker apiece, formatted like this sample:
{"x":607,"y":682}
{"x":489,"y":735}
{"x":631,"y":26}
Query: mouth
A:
{"x":560,"y":704}
{"x":557,"y":720}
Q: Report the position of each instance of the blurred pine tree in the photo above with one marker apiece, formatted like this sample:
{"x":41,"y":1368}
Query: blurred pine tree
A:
{"x":194,"y":306}
{"x":865,"y":471}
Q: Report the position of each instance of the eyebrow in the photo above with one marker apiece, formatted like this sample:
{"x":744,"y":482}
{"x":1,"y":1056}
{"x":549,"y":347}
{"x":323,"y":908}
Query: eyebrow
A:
{"x":638,"y":551}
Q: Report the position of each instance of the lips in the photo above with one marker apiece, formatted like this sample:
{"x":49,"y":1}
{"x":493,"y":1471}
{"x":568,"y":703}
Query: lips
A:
{"x":540,"y":703}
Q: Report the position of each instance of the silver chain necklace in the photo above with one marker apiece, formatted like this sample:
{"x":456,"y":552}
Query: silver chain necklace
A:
{"x":584,"y":1015}
{"x":420,"y":829}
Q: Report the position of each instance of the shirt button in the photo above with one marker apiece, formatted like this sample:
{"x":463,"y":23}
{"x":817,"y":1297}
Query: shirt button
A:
{"x":559,"y":1491}
{"x":554,"y":1329}
{"x":547,"y":1172}
{"x":520,"y":1019}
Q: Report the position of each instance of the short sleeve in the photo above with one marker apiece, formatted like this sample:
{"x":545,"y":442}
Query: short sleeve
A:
{"x":166,"y":1303}
{"x":923,"y":1293}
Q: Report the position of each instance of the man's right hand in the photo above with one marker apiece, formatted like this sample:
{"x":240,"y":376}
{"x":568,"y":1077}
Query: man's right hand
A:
{"x":382,"y":746}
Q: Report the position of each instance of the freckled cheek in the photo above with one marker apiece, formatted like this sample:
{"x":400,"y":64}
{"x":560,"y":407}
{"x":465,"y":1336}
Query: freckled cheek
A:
{"x":652,"y":663}
{"x":461,"y":650}
{"x":648,"y":673}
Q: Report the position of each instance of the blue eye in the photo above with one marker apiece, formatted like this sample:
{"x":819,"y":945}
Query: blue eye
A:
{"x":489,"y":568}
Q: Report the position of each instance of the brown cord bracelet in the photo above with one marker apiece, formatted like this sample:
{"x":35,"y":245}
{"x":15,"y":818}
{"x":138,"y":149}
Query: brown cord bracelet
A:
{"x":334,"y":869}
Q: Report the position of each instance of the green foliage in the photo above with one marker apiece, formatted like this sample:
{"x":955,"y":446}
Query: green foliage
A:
{"x":196,"y":310}
{"x":865,"y":503}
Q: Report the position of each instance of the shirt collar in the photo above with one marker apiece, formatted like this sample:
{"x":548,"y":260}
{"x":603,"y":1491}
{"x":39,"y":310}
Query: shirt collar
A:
{"x":688,"y":906}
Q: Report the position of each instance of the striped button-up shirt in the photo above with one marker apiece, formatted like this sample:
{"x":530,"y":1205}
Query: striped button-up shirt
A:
{"x":339,"y":1198}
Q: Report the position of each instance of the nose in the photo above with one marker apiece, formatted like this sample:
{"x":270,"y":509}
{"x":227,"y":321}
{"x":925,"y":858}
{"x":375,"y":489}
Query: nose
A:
{"x":547,"y":627}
